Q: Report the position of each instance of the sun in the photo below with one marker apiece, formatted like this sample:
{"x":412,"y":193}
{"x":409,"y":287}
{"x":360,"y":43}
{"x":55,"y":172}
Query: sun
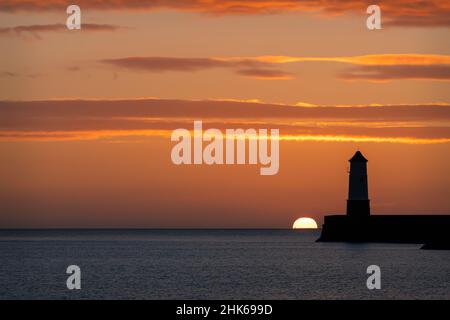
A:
{"x":304,"y":223}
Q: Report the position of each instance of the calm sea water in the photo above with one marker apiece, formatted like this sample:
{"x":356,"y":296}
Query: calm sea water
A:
{"x":213,"y":264}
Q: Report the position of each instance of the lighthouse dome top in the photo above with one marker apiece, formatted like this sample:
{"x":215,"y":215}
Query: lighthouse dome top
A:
{"x":358,"y":157}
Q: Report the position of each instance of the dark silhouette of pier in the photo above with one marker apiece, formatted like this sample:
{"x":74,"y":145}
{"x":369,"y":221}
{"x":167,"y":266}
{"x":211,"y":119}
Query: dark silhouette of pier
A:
{"x":358,"y":225}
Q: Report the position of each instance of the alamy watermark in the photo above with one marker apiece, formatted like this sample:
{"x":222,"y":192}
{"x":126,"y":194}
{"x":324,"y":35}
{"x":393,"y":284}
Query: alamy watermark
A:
{"x":73,"y":21}
{"x":74,"y":280}
{"x":228,"y":148}
{"x":374,"y":20}
{"x":374,"y":280}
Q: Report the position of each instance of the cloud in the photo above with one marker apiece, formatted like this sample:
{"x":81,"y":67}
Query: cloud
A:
{"x":372,"y":59}
{"x":266,"y":74}
{"x":161,"y":64}
{"x":7,"y":74}
{"x":433,"y":20}
{"x":104,"y":119}
{"x":386,"y":73}
{"x":405,"y":13}
{"x":377,"y":67}
{"x":38,"y":29}
{"x":73,"y":68}
{"x":242,"y":66}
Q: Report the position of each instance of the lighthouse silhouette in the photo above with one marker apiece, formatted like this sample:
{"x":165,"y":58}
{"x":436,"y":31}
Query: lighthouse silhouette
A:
{"x":359,"y":226}
{"x":358,"y":193}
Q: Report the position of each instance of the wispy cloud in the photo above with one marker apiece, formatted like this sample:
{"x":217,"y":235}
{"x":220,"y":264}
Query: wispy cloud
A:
{"x":386,"y":73}
{"x":8,"y":74}
{"x":267,"y":74}
{"x":407,"y":13}
{"x":37,"y":29}
{"x":242,"y":66}
{"x":377,"y":67}
{"x":103,"y":119}
{"x":372,"y":59}
{"x":161,"y":64}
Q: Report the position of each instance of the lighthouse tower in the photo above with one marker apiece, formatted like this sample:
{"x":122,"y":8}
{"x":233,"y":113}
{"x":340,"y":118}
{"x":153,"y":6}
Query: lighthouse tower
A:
{"x":358,"y":194}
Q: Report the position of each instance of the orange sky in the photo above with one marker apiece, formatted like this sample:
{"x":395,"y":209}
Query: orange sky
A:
{"x":86,"y":116}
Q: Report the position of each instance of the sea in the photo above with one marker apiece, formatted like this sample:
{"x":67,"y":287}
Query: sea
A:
{"x":213,"y":264}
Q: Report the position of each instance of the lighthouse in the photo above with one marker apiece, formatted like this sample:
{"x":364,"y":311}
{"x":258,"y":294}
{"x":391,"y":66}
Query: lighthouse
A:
{"x":358,"y":193}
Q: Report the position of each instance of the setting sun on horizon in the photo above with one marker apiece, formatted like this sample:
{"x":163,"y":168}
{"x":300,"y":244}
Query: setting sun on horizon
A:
{"x":304,"y":223}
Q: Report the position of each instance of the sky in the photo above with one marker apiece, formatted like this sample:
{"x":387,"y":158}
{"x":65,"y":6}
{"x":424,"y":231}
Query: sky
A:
{"x":86,"y":115}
